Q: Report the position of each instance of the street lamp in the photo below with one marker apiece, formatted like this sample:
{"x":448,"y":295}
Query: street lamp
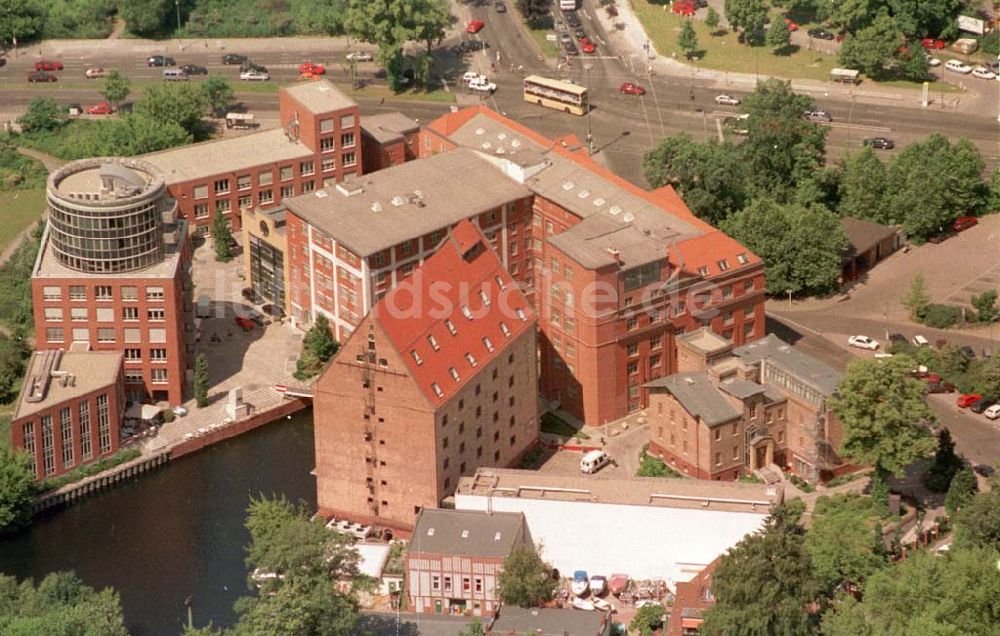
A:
{"x":590,"y":137}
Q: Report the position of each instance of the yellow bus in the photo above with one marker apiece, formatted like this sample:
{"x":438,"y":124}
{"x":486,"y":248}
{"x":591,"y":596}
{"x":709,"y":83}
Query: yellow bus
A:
{"x":565,"y":96}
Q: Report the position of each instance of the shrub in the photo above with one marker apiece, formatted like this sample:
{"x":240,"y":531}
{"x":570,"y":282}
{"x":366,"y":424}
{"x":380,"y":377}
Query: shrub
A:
{"x":650,"y":466}
{"x":942,"y":316}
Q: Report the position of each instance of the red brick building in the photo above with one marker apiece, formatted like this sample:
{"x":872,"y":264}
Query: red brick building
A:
{"x":454,"y":559}
{"x":439,"y":379}
{"x":692,"y":599}
{"x":70,"y":409}
{"x":318,"y":144}
{"x":731,"y":411}
{"x":113,"y":273}
{"x":388,"y":139}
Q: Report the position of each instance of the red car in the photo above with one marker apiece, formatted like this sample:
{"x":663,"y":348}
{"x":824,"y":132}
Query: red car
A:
{"x":791,"y":25}
{"x":245,"y":324}
{"x":632,"y":89}
{"x":967,"y":399}
{"x":311,"y":68}
{"x":964,"y":223}
{"x":684,"y":8}
{"x":587,"y":46}
{"x":102,"y":108}
{"x":48,"y":65}
{"x":474,"y":26}
{"x":41,"y":76}
{"x":933,"y":44}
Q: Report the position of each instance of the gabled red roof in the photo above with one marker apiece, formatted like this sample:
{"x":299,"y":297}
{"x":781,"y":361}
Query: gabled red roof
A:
{"x":454,"y":314}
{"x":709,"y":252}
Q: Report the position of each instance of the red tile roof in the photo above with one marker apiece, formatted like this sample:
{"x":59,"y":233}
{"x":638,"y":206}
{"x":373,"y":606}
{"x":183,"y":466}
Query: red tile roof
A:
{"x":457,"y":311}
{"x":708,"y":252}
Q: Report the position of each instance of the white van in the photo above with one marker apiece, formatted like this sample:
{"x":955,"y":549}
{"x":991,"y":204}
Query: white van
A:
{"x":594,"y":461}
{"x":175,"y":75}
{"x":920,"y":341}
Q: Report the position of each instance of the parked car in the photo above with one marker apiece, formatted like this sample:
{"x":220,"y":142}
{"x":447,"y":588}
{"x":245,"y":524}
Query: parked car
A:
{"x":254,"y":76}
{"x":179,"y":410}
{"x":880,"y":143}
{"x":967,"y":399}
{"x":818,"y":116}
{"x":863,"y":342}
{"x":500,"y":6}
{"x":250,"y":65}
{"x":820,"y":34}
{"x":933,"y":61}
{"x":964,"y":223}
{"x":48,"y":65}
{"x":631,"y":88}
{"x":580,"y":34}
{"x":194,"y":69}
{"x":982,"y":72}
{"x":234,"y":58}
{"x":969,"y":352}
{"x":940,"y":387}
{"x":598,"y":584}
{"x":933,"y":44}
{"x":993,"y":412}
{"x":792,"y":26}
{"x":581,"y":582}
{"x":565,"y":37}
{"x":474,"y":26}
{"x":41,"y":76}
{"x":956,"y":66}
{"x":727,"y":100}
{"x":100,"y":108}
{"x":982,"y":404}
{"x":570,"y":48}
{"x":312,"y":68}
{"x":470,"y":76}
{"x":246,"y":324}
{"x":897,"y":337}
{"x":984,"y":469}
{"x":273,"y":310}
{"x":360,"y":56}
{"x":160,"y":60}
{"x":683,"y":7}
{"x":573,"y":20}
{"x":587,"y":46}
{"x":95,"y":72}
{"x":920,"y":341}
{"x":482,"y":84}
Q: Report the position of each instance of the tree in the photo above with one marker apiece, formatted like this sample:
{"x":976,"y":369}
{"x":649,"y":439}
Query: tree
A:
{"x":844,"y":541}
{"x":712,"y":20}
{"x":304,"y":599}
{"x":319,"y":16}
{"x":422,"y":69}
{"x":146,"y":17}
{"x":917,"y":300}
{"x":962,"y":489}
{"x":778,"y":36}
{"x":222,"y":238}
{"x":881,"y":408}
{"x":709,"y":176}
{"x":217,"y":93}
{"x":536,"y":12}
{"x":137,"y":134}
{"x":44,"y":114}
{"x":914,"y":67}
{"x":917,"y":19}
{"x":647,"y":620}
{"x":850,"y":15}
{"x":764,"y":584}
{"x":61,"y":605}
{"x":13,"y":352}
{"x":862,"y":186}
{"x":747,"y":16}
{"x":526,"y":580}
{"x":21,"y":19}
{"x":924,"y":594}
{"x":116,"y":88}
{"x":993,"y":201}
{"x":986,"y":306}
{"x":951,"y":361}
{"x":688,"y":39}
{"x":201,"y":380}
{"x":17,"y":488}
{"x":979,"y":521}
{"x":318,"y":346}
{"x":873,"y":47}
{"x":430,"y":20}
{"x":989,"y":377}
{"x":181,"y":103}
{"x":946,"y":463}
{"x":475,"y":629}
{"x":802,"y":245}
{"x":207,"y":630}
{"x":389,"y":24}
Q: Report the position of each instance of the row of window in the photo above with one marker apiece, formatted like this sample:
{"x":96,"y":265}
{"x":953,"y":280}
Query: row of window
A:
{"x":157,"y":376}
{"x":67,"y":434}
{"x":102,"y":292}
{"x":468,"y":584}
{"x":105,"y":314}
{"x":106,"y":335}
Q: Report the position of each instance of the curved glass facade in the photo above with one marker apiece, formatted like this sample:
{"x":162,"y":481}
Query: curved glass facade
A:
{"x":118,"y":227}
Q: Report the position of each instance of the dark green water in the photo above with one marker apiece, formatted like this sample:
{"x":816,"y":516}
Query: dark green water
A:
{"x":175,"y":532}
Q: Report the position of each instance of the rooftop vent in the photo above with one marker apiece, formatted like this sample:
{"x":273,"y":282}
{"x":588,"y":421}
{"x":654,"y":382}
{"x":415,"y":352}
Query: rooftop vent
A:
{"x":398,"y":200}
{"x":348,"y":188}
{"x":465,"y":534}
{"x":628,"y":218}
{"x":496,"y":537}
{"x":376,"y":207}
{"x":500,"y":151}
{"x":516,"y":143}
{"x":583,"y":194}
{"x":480,"y":131}
{"x":689,"y":380}
{"x":502,"y":136}
{"x":322,"y":194}
{"x":615,"y":210}
{"x":430,"y":532}
{"x":569,"y":185}
{"x":487,"y":145}
{"x":599,"y":201}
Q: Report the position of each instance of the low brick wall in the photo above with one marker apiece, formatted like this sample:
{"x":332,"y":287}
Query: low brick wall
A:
{"x":238,"y":428}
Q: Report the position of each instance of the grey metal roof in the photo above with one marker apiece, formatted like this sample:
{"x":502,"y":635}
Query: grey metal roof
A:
{"x":698,"y":396}
{"x":741,"y":389}
{"x":467,"y":532}
{"x":390,"y":206}
{"x":548,"y":622}
{"x":388,"y":127}
{"x":805,"y":368}
{"x":319,"y":96}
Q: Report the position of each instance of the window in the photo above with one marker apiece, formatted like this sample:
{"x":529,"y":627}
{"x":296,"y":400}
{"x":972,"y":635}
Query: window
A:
{"x":727,"y":291}
{"x":129,"y":313}
{"x":488,"y":344}
{"x":306,"y":168}
{"x":454,"y":374}
{"x":243,"y":182}
{"x":103,"y":424}
{"x":347,"y":140}
{"x":54,"y":334}
{"x":287,"y":191}
{"x":106,"y":334}
{"x":723,"y":265}
{"x":48,"y":446}
{"x":157,"y":315}
{"x":157,"y":335}
{"x":434,"y":343}
{"x":479,"y":584}
{"x":265,"y":196}
{"x":328,"y":165}
{"x":466,"y":583}
{"x":244,"y":202}
{"x":632,"y":368}
{"x":748,"y":284}
{"x":718,"y":434}
{"x":435,"y":582}
{"x":308,"y":186}
{"x":326,"y":125}
{"x":326,"y":144}
{"x":53,"y":313}
{"x":86,"y":447}
{"x":103,"y":292}
{"x":743,"y":258}
{"x":451,"y":327}
{"x":505,"y":329}
{"x":654,"y":361}
{"x":347,"y":121}
{"x":632,"y":349}
{"x":66,"y":437}
{"x":223,"y":205}
{"x":154,"y":293}
{"x":79,"y":292}
{"x":133,"y":355}
{"x":158,"y":355}
{"x":471,"y":359}
{"x":727,"y":318}
{"x":52,"y":293}
{"x":159,"y":376}
{"x":437,"y":390}
{"x":632,"y":324}
{"x":285,"y":173}
{"x":222,"y":186}
{"x":416,"y":357}
{"x":736,"y":452}
{"x":703,"y":271}
{"x":265,"y":177}
{"x":201,"y":192}
{"x":718,"y":459}
{"x":349,"y":159}
{"x":447,"y":581}
{"x":133,"y":336}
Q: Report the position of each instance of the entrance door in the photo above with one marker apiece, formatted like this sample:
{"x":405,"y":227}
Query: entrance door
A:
{"x":437,"y":606}
{"x":760,"y":457}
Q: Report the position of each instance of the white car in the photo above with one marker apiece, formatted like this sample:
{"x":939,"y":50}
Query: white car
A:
{"x":472,"y":76}
{"x":933,"y":61}
{"x":95,"y":73}
{"x":983,"y":73}
{"x":254,"y":76}
{"x":863,"y":342}
{"x":957,"y":67}
{"x":179,"y":410}
{"x":727,"y":100}
{"x":482,"y":84}
{"x":993,"y":412}
{"x":360,"y":56}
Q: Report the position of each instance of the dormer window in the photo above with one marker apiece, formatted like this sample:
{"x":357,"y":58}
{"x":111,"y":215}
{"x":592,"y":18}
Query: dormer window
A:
{"x":437,"y":390}
{"x":471,"y":359}
{"x":483,"y":296}
{"x":723,"y":265}
{"x":467,"y":312}
{"x":743,"y":258}
{"x":505,"y":329}
{"x":488,"y":344}
{"x":502,"y":285}
{"x":416,"y":357}
{"x":454,"y":374}
{"x":520,"y":314}
{"x":451,"y":327}
{"x":703,"y":271}
{"x":434,"y":343}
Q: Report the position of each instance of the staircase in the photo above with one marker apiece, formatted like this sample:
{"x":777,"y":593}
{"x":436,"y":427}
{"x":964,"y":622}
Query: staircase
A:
{"x":770,"y":474}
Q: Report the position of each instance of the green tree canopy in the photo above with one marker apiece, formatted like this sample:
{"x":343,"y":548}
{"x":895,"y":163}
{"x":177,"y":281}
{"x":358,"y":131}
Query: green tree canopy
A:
{"x":21,"y":19}
{"x":218,"y":93}
{"x":181,"y":103}
{"x":870,"y":49}
{"x":536,"y":12}
{"x":146,"y":17}
{"x":881,"y":408}
{"x":778,"y":36}
{"x":201,"y":380}
{"x":44,"y":114}
{"x":712,"y":19}
{"x":318,"y":346}
{"x":961,"y":491}
{"x":61,"y":605}
{"x":116,"y":87}
{"x":746,"y":16}
{"x":986,"y":306}
{"x":979,"y":521}
{"x":429,"y":21}
{"x":843,"y":541}
{"x":917,"y":299}
{"x":17,"y":488}
{"x":222,"y":238}
{"x":863,"y":184}
{"x":526,"y":580}
{"x":688,"y":39}
{"x":946,"y":462}
{"x":647,"y":620}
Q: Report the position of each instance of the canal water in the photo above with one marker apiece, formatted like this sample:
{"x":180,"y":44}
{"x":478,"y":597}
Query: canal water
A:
{"x":174,"y":532}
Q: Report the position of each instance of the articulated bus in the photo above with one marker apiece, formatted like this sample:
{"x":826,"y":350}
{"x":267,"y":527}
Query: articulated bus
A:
{"x":565,"y":96}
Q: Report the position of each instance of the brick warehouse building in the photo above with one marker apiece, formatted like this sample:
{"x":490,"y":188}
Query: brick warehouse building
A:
{"x":559,"y":222}
{"x":113,"y":273}
{"x":70,"y":409}
{"x":439,"y":379}
{"x":318,"y":144}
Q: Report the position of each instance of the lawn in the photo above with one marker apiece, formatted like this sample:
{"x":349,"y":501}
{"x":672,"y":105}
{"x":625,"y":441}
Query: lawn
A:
{"x":549,"y":49}
{"x":18,"y":209}
{"x":651,"y":466}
